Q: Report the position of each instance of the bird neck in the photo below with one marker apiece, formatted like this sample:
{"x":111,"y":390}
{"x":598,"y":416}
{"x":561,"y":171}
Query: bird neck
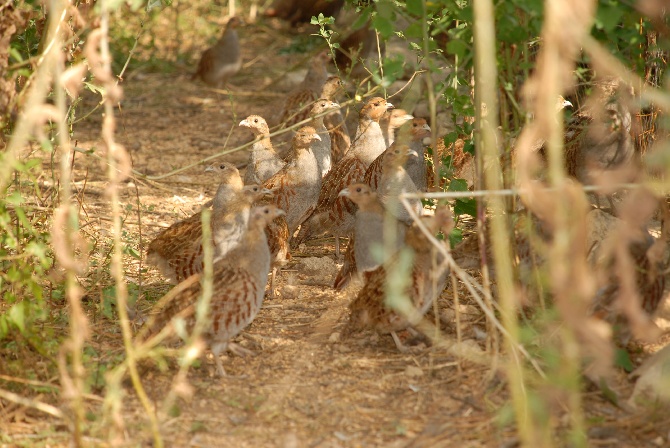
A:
{"x":264,"y":144}
{"x":224,"y":193}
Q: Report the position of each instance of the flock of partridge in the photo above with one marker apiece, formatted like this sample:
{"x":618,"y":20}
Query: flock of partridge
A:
{"x":330,"y":183}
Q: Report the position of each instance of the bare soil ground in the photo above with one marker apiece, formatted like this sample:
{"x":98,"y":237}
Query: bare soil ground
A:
{"x":306,"y":386}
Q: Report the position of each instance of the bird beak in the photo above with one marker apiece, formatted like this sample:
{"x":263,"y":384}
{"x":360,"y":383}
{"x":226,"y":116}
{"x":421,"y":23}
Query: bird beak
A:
{"x":316,"y":137}
{"x":407,"y":117}
{"x":334,"y":105}
{"x":413,"y":153}
{"x":210,"y":169}
{"x":389,"y":106}
{"x":280,"y":212}
{"x":426,"y":128}
{"x":267,"y":192}
{"x":566,"y":103}
{"x":244,"y":123}
{"x":344,"y":192}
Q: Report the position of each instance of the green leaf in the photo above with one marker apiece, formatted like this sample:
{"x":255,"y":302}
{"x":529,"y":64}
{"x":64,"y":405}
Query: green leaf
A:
{"x":383,"y":25}
{"x":385,"y":9}
{"x":608,"y":17}
{"x":414,"y":7}
{"x":362,"y":19}
{"x":622,"y":359}
{"x":17,"y":314}
{"x":457,"y":48}
{"x":458,"y":185}
{"x":466,"y":207}
{"x":455,"y":237}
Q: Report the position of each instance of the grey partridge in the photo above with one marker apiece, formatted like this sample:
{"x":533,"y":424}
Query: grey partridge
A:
{"x":334,"y":213}
{"x":299,"y":102}
{"x":322,"y":147}
{"x":295,"y":190}
{"x":418,"y":130}
{"x":427,"y":278}
{"x":395,"y":181}
{"x":223,"y":60}
{"x":178,"y":251}
{"x":340,"y":140}
{"x":180,"y":236}
{"x":391,"y":121}
{"x":238,"y":289}
{"x":369,"y":231}
{"x":264,"y":161}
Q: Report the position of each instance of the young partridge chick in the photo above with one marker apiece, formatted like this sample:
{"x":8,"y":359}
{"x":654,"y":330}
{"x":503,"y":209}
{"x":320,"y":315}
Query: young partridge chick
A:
{"x":369,"y":231}
{"x":299,"y":102}
{"x":178,"y":238}
{"x":395,"y":180}
{"x":223,"y":60}
{"x":178,"y":251}
{"x":334,"y":213}
{"x":238,"y":289}
{"x":264,"y":161}
{"x":321,"y":147}
{"x":372,"y":308}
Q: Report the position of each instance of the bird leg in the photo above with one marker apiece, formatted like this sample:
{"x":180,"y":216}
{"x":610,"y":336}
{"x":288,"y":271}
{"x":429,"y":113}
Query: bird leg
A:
{"x":273,"y":294}
{"x":217,"y":349}
{"x":398,"y":343}
{"x":240,"y":351}
{"x":337,"y":247}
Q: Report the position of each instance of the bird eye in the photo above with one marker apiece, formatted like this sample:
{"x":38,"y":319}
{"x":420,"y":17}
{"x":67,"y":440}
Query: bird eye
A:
{"x":358,"y":190}
{"x":222,"y":166}
{"x":255,"y":120}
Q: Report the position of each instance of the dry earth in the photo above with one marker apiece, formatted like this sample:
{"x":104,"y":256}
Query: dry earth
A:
{"x":307,"y":386}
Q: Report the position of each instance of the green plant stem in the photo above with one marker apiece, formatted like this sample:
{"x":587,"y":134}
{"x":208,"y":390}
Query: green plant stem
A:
{"x":485,"y":139}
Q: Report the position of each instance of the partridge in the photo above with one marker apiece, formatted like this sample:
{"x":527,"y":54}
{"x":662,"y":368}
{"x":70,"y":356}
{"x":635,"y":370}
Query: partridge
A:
{"x":264,"y":162}
{"x":395,"y":180}
{"x":340,"y":140}
{"x":369,"y":231}
{"x":178,"y":251}
{"x":649,"y":283}
{"x":321,"y":147}
{"x":427,"y":278}
{"x":391,"y":121}
{"x":334,"y":213}
{"x":418,"y":131}
{"x":179,"y":236}
{"x":223,"y":60}
{"x":296,"y":187}
{"x":238,"y":289}
{"x":299,"y":102}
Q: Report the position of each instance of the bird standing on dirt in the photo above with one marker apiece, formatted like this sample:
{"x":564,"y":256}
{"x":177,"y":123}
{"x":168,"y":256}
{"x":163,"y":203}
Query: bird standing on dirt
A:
{"x":369,"y":231}
{"x":321,"y":147}
{"x":178,"y":250}
{"x":264,"y":161}
{"x":371,"y":309}
{"x":223,"y":60}
{"x":299,"y":102}
{"x":181,"y":236}
{"x":334,"y":213}
{"x":238,"y":289}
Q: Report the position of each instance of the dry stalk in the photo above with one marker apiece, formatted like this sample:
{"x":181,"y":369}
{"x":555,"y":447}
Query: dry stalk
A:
{"x":119,"y":167}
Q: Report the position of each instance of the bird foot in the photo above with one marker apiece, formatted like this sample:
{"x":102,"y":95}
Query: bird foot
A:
{"x":239,"y":350}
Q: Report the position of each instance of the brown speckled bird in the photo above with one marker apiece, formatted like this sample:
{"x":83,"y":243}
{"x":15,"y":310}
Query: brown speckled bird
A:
{"x":375,"y":309}
{"x":179,"y":236}
{"x":223,"y":60}
{"x":418,"y":130}
{"x":299,"y":102}
{"x":238,"y":289}
{"x":340,"y":140}
{"x":369,"y":231}
{"x":264,"y":161}
{"x":334,"y":213}
{"x":296,"y":189}
{"x":322,"y":146}
{"x":395,"y":180}
{"x":391,"y":121}
{"x":178,"y":251}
